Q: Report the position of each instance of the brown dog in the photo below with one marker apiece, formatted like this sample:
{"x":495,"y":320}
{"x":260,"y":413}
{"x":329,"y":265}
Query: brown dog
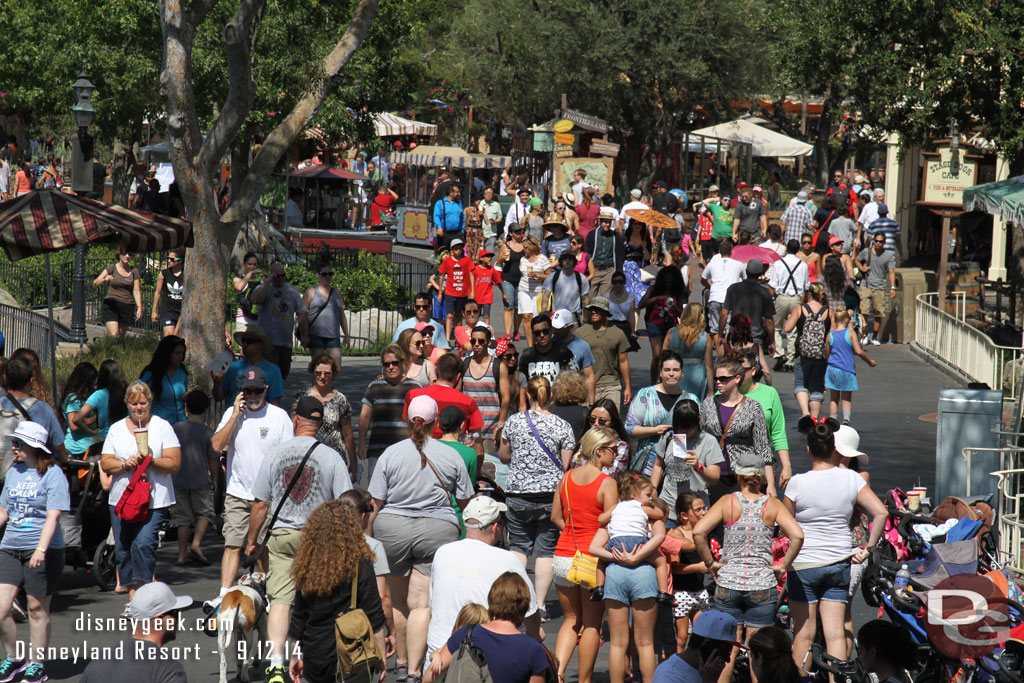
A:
{"x":242,"y":624}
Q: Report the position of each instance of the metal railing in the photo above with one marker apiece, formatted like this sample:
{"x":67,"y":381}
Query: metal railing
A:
{"x":956,"y":342}
{"x":28,"y":329}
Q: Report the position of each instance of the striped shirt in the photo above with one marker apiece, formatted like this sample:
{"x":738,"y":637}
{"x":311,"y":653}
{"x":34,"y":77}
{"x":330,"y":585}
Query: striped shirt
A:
{"x":798,"y":221}
{"x":387,"y":426}
{"x":485,"y":392}
{"x":888,"y":227}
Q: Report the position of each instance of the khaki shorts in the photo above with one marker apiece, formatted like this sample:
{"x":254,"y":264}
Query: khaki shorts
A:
{"x":191,"y":505}
{"x":283,"y":545}
{"x":236,"y":522}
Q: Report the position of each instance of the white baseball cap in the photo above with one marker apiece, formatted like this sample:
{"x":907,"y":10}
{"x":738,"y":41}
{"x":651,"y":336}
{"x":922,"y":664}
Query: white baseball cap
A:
{"x":483,"y":510}
{"x":562,"y":318}
{"x":156,"y":598}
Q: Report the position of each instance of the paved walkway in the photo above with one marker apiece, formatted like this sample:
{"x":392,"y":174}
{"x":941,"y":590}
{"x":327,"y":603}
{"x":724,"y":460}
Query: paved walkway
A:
{"x":887,"y":411}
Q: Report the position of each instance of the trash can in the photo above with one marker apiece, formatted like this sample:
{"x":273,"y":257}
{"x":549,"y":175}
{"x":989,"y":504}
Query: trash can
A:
{"x":899,"y":324}
{"x":967,"y":418}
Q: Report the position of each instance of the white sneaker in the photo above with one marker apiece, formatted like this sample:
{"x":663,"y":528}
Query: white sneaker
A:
{"x":875,"y":342}
{"x":864,"y":340}
{"x":210,"y":606}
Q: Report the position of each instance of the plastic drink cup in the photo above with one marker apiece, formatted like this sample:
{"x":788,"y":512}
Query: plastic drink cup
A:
{"x":142,"y":439}
{"x":914,"y":501}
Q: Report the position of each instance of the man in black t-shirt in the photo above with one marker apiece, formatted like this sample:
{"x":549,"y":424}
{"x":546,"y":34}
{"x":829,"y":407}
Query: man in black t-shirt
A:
{"x":752,"y":300}
{"x":545,"y":358}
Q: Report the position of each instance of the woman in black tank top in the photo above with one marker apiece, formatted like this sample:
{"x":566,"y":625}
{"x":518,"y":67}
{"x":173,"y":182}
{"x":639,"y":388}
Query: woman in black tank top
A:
{"x":511,"y":274}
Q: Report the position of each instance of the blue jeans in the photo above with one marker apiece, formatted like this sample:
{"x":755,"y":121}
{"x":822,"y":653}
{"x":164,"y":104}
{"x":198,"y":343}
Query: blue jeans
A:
{"x":135,"y":546}
{"x":530,"y":529}
{"x":755,"y":608}
{"x":830,"y":583}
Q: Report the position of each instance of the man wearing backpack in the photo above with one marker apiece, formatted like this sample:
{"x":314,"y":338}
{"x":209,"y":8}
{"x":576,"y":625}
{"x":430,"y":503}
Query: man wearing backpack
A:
{"x":463,"y":571}
{"x":567,"y":285}
{"x":846,"y":199}
{"x":23,"y":407}
{"x":789,"y":282}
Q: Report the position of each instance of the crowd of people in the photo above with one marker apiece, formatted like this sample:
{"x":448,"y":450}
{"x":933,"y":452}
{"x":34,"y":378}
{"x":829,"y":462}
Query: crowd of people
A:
{"x":671,"y":511}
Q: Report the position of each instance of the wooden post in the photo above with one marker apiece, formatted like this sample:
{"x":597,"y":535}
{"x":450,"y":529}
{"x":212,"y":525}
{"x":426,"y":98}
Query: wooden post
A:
{"x":944,"y":259}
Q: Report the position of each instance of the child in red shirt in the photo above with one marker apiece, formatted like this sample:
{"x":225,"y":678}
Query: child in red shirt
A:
{"x":457,"y":270}
{"x":486,"y":276}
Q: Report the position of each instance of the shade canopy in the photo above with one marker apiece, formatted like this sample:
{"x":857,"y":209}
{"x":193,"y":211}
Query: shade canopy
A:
{"x":1003,"y":198}
{"x":764,"y":142}
{"x":320,"y":172}
{"x":387,"y":125}
{"x":50,"y":220}
{"x":456,"y":157}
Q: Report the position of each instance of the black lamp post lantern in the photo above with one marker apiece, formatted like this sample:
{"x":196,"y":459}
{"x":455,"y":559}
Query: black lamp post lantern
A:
{"x":81,"y":182}
{"x":954,"y":149}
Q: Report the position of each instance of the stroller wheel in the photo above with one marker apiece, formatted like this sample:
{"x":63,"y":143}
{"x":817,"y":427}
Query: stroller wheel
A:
{"x":104,"y":567}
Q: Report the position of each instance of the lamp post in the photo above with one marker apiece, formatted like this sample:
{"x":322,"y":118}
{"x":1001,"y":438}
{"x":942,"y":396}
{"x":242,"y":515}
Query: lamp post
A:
{"x":954,"y":149}
{"x":947,"y":215}
{"x":81,"y":182}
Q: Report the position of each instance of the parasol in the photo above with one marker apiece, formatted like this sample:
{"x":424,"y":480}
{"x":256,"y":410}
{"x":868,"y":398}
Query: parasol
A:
{"x":745,"y":252}
{"x":651,"y":217}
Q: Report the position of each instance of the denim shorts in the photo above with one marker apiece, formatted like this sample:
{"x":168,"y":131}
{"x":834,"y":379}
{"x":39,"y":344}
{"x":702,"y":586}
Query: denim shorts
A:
{"x":625,"y":543}
{"x":714,"y":309}
{"x":511,"y":291}
{"x":830,"y":583}
{"x":655,"y":330}
{"x":530,"y":529}
{"x":755,"y":609}
{"x":629,"y":584}
{"x":485,"y":310}
{"x":453,"y":305}
{"x":316,"y":342}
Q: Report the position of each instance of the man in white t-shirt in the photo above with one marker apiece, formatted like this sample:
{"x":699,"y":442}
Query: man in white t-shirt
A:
{"x":281,"y":306}
{"x":463,"y":572}
{"x":636,"y":203}
{"x":247,"y":432}
{"x":722,"y":272}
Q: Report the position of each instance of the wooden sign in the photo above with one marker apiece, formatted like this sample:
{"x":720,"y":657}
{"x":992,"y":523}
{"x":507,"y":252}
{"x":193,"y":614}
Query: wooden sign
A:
{"x":940,"y":187}
{"x":604,"y":148}
{"x":585,"y":121}
{"x":563,"y":153}
{"x":565,"y":138}
{"x":563,"y":126}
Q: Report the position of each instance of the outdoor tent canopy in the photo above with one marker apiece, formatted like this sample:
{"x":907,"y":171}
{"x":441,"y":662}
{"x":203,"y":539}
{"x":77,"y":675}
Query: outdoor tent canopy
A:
{"x":456,"y":157}
{"x":390,"y":124}
{"x":1003,"y":198}
{"x":764,"y":142}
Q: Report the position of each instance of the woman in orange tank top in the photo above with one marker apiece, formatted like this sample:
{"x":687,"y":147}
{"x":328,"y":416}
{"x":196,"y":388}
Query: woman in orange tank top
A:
{"x":584,"y":493}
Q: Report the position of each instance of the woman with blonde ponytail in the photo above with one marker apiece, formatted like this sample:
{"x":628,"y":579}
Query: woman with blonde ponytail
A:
{"x":412,"y":487}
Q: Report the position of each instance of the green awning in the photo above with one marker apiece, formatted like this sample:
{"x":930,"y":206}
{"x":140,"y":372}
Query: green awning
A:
{"x":1003,"y":198}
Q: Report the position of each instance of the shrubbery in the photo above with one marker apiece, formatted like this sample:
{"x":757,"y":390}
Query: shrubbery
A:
{"x":132,"y":352}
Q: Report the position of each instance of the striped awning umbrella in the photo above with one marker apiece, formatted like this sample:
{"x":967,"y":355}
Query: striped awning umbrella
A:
{"x":455,"y":157}
{"x":49,"y":220}
{"x":389,"y":124}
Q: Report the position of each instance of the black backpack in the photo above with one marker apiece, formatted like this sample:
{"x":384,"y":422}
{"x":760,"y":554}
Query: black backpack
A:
{"x":842,"y":195}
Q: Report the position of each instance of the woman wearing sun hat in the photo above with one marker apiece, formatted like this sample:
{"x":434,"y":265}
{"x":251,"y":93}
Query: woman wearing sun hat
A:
{"x":32,"y":551}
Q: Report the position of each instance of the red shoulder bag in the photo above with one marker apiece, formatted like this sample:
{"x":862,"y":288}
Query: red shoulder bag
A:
{"x":134,"y":504}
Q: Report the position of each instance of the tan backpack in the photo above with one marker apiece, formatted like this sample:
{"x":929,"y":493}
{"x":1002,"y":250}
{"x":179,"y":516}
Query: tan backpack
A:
{"x":358,"y":649}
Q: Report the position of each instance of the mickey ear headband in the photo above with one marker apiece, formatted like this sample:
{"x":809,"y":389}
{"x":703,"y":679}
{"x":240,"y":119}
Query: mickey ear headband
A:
{"x":807,"y":423}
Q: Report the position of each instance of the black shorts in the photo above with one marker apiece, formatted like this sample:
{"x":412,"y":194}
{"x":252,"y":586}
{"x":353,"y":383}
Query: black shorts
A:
{"x":39,"y":582}
{"x":117,"y":312}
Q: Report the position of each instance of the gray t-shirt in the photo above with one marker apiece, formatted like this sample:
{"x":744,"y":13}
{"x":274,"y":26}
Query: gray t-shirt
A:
{"x":277,"y":314}
{"x":380,"y":557}
{"x":750,"y":215}
{"x":843,"y":228}
{"x":567,"y":294}
{"x":678,"y":475}
{"x":411,"y":489}
{"x":196,"y":441}
{"x":324,"y":478}
{"x":139,"y":661}
{"x":879,"y":266}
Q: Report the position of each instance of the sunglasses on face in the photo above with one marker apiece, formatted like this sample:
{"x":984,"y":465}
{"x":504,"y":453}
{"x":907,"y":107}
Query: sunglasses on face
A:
{"x":879,"y":241}
{"x":391,"y":363}
{"x":252,"y":341}
{"x":421,"y":307}
{"x":471,"y":311}
{"x":174,"y":259}
{"x":602,"y":421}
{"x":481,"y":342}
{"x":17,"y":444}
{"x":326,"y":274}
{"x":722,"y":379}
{"x":510,"y":356}
{"x":322,"y":373}
{"x":542,"y":330}
{"x":253,"y":391}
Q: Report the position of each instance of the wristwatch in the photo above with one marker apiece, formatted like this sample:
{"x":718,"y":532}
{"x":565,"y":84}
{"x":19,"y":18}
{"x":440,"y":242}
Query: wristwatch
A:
{"x":709,"y":563}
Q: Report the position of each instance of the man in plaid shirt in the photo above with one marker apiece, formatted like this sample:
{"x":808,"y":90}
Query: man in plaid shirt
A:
{"x":796,"y":219}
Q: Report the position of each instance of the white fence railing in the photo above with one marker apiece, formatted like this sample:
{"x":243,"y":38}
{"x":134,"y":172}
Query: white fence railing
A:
{"x":961,"y":345}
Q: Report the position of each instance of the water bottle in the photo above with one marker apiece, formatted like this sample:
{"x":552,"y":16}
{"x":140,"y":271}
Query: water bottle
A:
{"x":902,"y":583}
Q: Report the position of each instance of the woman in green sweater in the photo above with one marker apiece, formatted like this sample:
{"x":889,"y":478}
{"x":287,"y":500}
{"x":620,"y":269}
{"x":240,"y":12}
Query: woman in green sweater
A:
{"x":771,"y":404}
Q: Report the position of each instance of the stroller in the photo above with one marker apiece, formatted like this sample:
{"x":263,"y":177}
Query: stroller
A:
{"x":87,"y":532}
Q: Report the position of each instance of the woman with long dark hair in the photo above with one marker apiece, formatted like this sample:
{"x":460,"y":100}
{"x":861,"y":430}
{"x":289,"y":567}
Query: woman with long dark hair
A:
{"x":107,"y":400}
{"x":170,"y":286}
{"x":332,"y":552}
{"x":771,"y":659}
{"x":741,"y":340}
{"x":168,"y":379}
{"x":663,"y":303}
{"x":604,"y":413}
{"x":822,"y":500}
{"x":809,"y":373}
{"x":837,"y":272}
{"x":79,"y":387}
{"x":412,"y":488}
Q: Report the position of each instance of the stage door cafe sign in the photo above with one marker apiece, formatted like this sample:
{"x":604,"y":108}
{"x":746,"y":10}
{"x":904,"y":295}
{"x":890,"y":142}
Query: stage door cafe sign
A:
{"x":940,"y":187}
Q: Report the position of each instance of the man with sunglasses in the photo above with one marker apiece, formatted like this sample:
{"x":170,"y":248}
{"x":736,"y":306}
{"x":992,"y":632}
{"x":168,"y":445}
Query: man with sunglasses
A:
{"x":422,"y":308}
{"x":248,"y":431}
{"x":280,"y":304}
{"x":610,"y":349}
{"x":879,"y":264}
{"x":254,"y":343}
{"x":545,"y":358}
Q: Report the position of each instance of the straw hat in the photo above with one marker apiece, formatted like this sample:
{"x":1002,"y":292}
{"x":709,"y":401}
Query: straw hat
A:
{"x":553,"y":218}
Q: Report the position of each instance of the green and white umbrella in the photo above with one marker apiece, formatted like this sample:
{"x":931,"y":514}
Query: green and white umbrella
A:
{"x":1003,"y":198}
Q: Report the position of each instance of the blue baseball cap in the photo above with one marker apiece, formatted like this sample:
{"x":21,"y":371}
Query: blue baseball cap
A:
{"x":716,"y":625}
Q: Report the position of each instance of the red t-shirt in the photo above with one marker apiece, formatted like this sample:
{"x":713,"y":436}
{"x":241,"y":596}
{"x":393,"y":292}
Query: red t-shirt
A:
{"x":588,"y":217}
{"x":446,"y":396}
{"x":486,"y":278}
{"x":380,"y":202}
{"x":457,"y":282}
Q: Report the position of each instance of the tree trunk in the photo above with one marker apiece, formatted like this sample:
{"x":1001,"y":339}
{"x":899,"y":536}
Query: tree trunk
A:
{"x":122,"y":172}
